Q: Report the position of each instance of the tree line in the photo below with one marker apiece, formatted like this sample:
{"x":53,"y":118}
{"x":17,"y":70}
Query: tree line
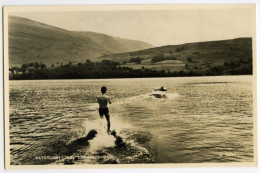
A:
{"x":112,"y":69}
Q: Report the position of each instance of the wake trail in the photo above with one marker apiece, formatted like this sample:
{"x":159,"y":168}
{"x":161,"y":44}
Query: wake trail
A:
{"x":122,"y":147}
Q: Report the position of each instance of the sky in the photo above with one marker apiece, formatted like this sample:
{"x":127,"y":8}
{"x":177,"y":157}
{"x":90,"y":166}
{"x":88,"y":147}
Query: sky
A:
{"x":157,"y":27}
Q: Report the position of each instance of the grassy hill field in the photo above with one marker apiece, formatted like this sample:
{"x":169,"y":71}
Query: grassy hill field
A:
{"x":31,"y":41}
{"x":198,"y":57}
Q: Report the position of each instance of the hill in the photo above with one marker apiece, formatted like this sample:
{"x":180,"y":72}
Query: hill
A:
{"x":197,"y":57}
{"x":31,"y":41}
{"x":226,"y":57}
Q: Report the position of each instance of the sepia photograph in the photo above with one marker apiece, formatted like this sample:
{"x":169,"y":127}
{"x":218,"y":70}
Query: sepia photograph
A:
{"x":99,"y":86}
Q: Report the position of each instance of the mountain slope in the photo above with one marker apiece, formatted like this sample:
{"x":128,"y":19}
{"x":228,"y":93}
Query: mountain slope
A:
{"x":31,"y":41}
{"x":116,"y":44}
{"x":201,"y":56}
{"x":218,"y":49}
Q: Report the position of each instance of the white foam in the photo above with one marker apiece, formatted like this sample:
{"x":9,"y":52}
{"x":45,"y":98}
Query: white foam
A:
{"x":148,"y":97}
{"x":172,"y":95}
{"x":99,"y":125}
{"x":100,"y":141}
{"x":117,"y":123}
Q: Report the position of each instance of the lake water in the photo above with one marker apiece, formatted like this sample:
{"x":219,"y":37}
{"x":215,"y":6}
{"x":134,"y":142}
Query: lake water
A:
{"x":201,"y":119}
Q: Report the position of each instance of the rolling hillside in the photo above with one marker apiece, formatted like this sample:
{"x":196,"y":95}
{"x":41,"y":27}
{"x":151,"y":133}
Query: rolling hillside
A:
{"x":201,"y":56}
{"x":31,"y":41}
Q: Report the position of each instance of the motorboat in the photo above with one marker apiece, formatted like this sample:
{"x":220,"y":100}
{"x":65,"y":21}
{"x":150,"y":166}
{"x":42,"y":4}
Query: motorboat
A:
{"x":159,"y":92}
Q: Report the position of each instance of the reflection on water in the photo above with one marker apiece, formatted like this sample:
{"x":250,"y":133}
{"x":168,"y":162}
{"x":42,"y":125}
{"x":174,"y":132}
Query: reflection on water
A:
{"x":201,"y":119}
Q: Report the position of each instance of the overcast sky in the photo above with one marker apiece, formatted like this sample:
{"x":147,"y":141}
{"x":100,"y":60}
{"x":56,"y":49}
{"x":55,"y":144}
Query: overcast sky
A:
{"x":157,"y":27}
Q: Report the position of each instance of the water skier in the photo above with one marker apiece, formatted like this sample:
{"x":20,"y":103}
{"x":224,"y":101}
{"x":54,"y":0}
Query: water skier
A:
{"x":103,"y":100}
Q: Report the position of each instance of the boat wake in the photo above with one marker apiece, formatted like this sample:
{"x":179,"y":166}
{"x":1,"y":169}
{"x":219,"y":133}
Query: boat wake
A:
{"x":149,"y":97}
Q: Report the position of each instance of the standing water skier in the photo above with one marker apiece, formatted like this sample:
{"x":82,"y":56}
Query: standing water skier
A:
{"x":103,"y":100}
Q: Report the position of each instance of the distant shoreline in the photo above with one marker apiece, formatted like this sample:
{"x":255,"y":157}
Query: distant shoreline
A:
{"x":114,"y":69}
{"x":132,"y":78}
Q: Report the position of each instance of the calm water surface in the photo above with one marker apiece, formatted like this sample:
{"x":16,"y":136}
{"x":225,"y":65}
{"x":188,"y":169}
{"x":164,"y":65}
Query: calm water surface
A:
{"x":202,"y":119}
